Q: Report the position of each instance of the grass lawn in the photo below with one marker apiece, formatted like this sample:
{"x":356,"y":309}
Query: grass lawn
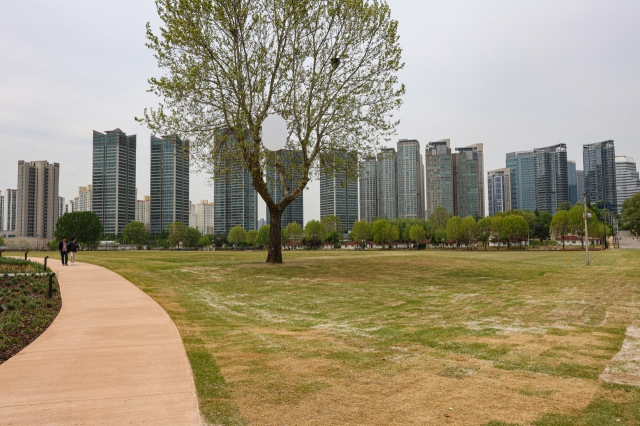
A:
{"x":402,"y":337}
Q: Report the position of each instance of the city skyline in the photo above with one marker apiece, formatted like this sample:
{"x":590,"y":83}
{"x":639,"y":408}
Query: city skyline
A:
{"x":546,"y":77}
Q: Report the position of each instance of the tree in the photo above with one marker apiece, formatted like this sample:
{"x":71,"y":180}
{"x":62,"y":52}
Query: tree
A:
{"x":264,"y":235}
{"x":439,"y":217}
{"x":85,"y":226}
{"x":515,"y":228}
{"x":454,"y":229}
{"x":204,"y":241}
{"x":439,"y":237}
{"x":469,"y":230}
{"x":417,"y":234}
{"x":176,"y":231}
{"x":237,"y":235}
{"x":334,"y":237}
{"x":484,"y":230}
{"x":631,"y":213}
{"x":328,"y":68}
{"x":361,"y":232}
{"x":332,"y":223}
{"x":190,"y":237}
{"x":1,"y":242}
{"x":251,"y":238}
{"x":135,"y":233}
{"x":385,"y":232}
{"x":541,"y":227}
{"x":315,"y":233}
{"x":560,"y":225}
{"x":294,"y":232}
{"x":565,"y":205}
{"x":497,"y":229}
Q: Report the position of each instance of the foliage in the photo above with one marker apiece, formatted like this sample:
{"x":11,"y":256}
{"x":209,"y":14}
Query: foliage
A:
{"x":334,"y":237}
{"x":294,"y":232}
{"x":439,"y":217}
{"x":328,"y":68}
{"x":252,"y":237}
{"x":541,"y":227}
{"x":454,"y":229}
{"x":264,"y":236}
{"x":385,"y":232}
{"x":361,"y":232}
{"x":1,"y":241}
{"x":497,"y":229}
{"x":315,"y":233}
{"x":204,"y":241}
{"x":439,"y":237}
{"x":135,"y":233}
{"x":237,"y":235}
{"x":515,"y":228}
{"x":85,"y":226}
{"x":175,"y":231}
{"x":469,"y":230}
{"x":560,"y":225}
{"x":631,"y":213}
{"x":565,"y":205}
{"x":484,"y":230}
{"x":190,"y":237}
{"x":417,"y":233}
{"x":332,"y":223}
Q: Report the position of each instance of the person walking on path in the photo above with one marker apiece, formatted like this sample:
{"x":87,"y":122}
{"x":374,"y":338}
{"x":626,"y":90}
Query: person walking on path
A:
{"x":63,"y":248}
{"x":73,"y":248}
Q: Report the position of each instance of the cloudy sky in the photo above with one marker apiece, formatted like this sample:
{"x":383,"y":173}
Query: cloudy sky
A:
{"x":513,"y":75}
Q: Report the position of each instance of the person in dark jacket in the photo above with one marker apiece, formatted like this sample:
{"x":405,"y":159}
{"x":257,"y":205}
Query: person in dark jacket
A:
{"x":73,"y":248}
{"x":63,"y":248}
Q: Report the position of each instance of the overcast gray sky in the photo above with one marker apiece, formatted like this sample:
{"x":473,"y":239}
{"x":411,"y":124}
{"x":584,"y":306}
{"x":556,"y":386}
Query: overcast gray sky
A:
{"x":513,"y":75}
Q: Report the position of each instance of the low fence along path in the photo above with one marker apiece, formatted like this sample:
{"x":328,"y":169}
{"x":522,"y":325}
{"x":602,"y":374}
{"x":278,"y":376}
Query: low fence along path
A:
{"x":112,"y":356}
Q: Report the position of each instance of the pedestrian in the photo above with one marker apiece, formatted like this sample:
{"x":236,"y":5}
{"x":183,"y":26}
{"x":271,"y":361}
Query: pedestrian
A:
{"x":63,"y":248}
{"x":73,"y":248}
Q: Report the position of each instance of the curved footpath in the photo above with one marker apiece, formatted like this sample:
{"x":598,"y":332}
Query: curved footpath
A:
{"x":112,"y":356}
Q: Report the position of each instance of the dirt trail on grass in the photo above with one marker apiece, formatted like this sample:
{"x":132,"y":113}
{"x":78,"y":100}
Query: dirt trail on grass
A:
{"x":624,"y":367}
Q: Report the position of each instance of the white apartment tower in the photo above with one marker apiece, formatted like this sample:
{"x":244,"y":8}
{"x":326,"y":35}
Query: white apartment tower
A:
{"x":627,"y":180}
{"x":37,"y":204}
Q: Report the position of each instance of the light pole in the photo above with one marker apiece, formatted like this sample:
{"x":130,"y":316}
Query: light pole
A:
{"x":586,"y":215}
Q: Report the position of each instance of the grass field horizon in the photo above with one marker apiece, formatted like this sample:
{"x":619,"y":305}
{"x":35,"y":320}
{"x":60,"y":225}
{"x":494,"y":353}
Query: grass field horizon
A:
{"x":401,"y":337}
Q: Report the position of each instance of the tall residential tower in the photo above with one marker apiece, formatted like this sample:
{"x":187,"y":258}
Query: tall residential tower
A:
{"x":600,"y":174}
{"x":169,"y":199}
{"x":37,"y":199}
{"x":114,"y":179}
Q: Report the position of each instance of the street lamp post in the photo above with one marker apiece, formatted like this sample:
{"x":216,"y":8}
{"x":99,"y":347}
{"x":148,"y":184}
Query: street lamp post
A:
{"x":586,"y":215}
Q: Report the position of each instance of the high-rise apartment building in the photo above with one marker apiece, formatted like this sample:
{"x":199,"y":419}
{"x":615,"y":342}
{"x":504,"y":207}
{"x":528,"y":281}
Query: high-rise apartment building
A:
{"x":10,"y":209}
{"x":37,"y":199}
{"x":439,"y":176}
{"x":523,"y":184}
{"x":499,"y":189}
{"x":204,"y":217}
{"x":580,"y":184}
{"x":468,"y":176}
{"x":70,"y":206}
{"x":291,"y":162}
{"x":600,"y":174}
{"x":193,"y":215}
{"x":369,"y":189}
{"x":2,"y":211}
{"x":169,"y":182}
{"x":114,"y":179}
{"x":60,"y":206}
{"x":339,"y":190}
{"x":143,"y":211}
{"x":572,"y":178}
{"x":83,"y":200}
{"x":551,"y":177}
{"x":627,"y":179}
{"x":235,"y":200}
{"x":410,"y":180}
{"x":387,"y":184}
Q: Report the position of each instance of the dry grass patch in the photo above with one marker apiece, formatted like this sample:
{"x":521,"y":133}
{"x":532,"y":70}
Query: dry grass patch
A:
{"x":383,"y":338}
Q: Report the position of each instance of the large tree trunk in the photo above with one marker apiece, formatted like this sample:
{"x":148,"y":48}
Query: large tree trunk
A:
{"x":275,"y":238}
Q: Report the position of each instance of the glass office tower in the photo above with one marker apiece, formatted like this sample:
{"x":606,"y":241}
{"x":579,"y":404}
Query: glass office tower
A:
{"x":600,"y":174}
{"x":339,"y":190}
{"x":291,"y":161}
{"x":114,"y":179}
{"x":572,"y":178}
{"x":551,"y":177}
{"x":523,"y":191}
{"x":169,"y":196}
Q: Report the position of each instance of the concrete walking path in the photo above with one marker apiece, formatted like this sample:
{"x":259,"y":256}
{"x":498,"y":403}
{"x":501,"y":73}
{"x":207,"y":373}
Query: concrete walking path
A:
{"x":112,"y":356}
